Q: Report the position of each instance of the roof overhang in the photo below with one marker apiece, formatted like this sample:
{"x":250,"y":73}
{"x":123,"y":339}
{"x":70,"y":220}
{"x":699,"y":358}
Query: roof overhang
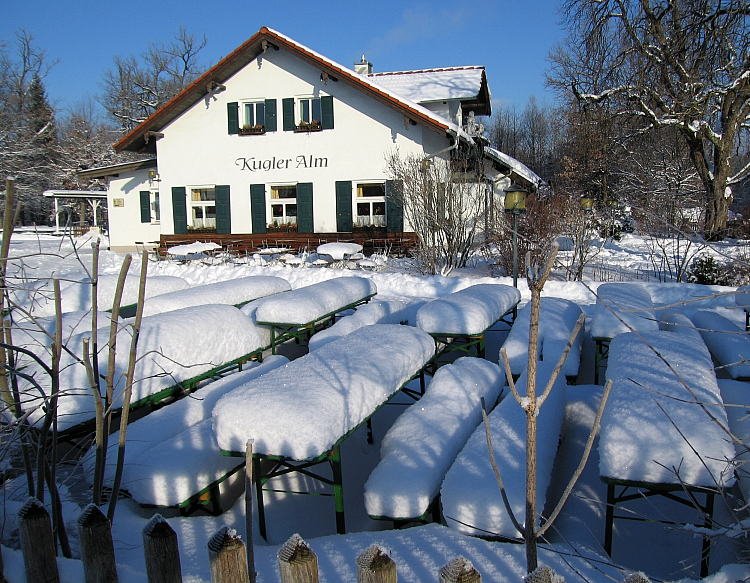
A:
{"x":139,"y":139}
{"x":75,"y":194}
{"x":116,"y":169}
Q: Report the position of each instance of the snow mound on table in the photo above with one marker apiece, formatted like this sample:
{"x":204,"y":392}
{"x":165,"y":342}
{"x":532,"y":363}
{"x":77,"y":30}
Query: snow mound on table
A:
{"x":621,"y":307}
{"x":76,"y":296}
{"x":339,"y":250}
{"x":557,"y":318}
{"x":164,"y":423}
{"x":309,"y":303}
{"x":231,"y":292}
{"x":302,"y":409}
{"x":172,"y":347}
{"x":729,"y":344}
{"x":736,"y":397}
{"x":469,"y":311}
{"x":376,"y":312}
{"x":638,"y":440}
{"x":423,"y":442}
{"x":469,"y":495}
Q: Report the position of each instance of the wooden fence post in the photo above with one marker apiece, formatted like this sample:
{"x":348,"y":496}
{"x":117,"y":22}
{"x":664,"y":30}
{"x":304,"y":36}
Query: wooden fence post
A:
{"x":226,"y":552}
{"x":375,"y":566}
{"x":297,"y":562}
{"x":543,"y":574}
{"x":637,"y":577}
{"x":459,"y":570}
{"x":37,"y":544}
{"x":161,"y":552}
{"x":97,"y":551}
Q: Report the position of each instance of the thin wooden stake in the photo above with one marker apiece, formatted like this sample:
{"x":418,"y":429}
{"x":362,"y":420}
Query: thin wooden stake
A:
{"x":249,"y":510}
{"x":37,"y":543}
{"x":297,"y":562}
{"x":161,"y":552}
{"x":226,"y":553}
{"x":375,"y":566}
{"x":459,"y":570}
{"x":97,"y":551}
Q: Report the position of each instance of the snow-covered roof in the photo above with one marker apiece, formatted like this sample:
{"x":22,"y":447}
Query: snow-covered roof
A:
{"x":115,"y":169}
{"x":426,"y":85}
{"x":75,"y":194}
{"x":244,"y":54}
{"x":518,"y":168}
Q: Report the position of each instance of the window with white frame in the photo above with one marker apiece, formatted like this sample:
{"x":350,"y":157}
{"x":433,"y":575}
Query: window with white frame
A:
{"x":309,"y":112}
{"x":202,"y":207}
{"x":283,"y":204}
{"x":253,"y":114}
{"x":370,"y":204}
{"x":155,"y":209}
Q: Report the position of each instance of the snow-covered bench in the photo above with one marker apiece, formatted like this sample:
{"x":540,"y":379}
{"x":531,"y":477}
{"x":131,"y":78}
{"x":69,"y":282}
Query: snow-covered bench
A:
{"x":376,"y":312}
{"x":729,"y":344}
{"x":620,"y":308}
{"x":299,"y":313}
{"x":661,"y":433}
{"x":233,"y":292}
{"x":470,"y":498}
{"x":171,"y":456}
{"x":736,"y":397}
{"x":462,"y":318}
{"x":176,"y":352}
{"x":557,"y":319}
{"x":423,"y":442}
{"x":742,"y":300}
{"x":299,"y":414}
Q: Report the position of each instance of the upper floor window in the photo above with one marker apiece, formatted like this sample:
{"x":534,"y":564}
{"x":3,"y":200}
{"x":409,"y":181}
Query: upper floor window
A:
{"x":307,"y":113}
{"x":253,"y":117}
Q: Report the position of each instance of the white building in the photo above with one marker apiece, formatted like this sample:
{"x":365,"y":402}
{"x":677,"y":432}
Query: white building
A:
{"x":276,"y":137}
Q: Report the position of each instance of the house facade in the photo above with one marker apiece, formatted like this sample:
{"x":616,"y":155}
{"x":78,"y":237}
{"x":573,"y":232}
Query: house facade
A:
{"x":276,"y":137}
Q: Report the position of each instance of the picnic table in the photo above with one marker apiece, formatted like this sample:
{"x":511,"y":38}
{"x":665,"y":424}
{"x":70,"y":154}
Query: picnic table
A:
{"x":298,"y":415}
{"x":662,"y":434}
{"x":339,"y":251}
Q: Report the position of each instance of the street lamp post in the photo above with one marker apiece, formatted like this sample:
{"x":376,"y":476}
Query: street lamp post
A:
{"x":515,"y":204}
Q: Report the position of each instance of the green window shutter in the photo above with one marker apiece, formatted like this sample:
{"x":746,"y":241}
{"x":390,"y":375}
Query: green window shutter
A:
{"x":394,"y":206}
{"x":270,"y":122}
{"x":233,"y":117}
{"x":223,"y":211}
{"x":145,"y":206}
{"x":305,"y":207}
{"x":287,"y":113}
{"x":258,"y":207}
{"x":179,"y":210}
{"x":344,"y":206}
{"x":326,"y":112}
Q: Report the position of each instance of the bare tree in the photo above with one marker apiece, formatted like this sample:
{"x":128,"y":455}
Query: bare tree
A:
{"x":677,"y":63}
{"x":446,"y":203}
{"x":135,"y":87}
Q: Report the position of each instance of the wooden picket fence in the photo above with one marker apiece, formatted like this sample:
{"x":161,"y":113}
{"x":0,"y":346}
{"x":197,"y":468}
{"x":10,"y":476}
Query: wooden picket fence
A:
{"x":230,"y":560}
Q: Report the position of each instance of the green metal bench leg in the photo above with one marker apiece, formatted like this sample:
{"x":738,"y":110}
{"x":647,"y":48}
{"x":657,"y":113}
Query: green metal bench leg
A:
{"x":259,"y":498}
{"x":370,"y":438}
{"x":273,"y":340}
{"x":338,"y":489}
{"x":609,"y":519}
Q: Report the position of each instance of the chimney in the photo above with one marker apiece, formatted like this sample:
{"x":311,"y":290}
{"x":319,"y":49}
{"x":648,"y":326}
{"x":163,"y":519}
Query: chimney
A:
{"x":363,"y":67}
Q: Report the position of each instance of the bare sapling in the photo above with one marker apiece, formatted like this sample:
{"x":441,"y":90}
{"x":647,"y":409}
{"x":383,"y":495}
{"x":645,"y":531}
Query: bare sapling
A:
{"x":129,"y":375}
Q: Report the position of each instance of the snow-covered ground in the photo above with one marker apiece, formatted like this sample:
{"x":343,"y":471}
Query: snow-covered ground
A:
{"x":575,"y":550}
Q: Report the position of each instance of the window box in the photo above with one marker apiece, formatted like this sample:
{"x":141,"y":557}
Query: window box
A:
{"x":281,"y":227}
{"x":252,"y":130}
{"x":309,"y":126}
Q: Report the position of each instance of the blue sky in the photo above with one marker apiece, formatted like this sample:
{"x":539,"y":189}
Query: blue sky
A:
{"x":510,"y":37}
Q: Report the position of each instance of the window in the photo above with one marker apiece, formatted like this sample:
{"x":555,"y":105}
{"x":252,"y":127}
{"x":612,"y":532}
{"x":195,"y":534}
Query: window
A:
{"x":308,"y":110}
{"x":253,"y":116}
{"x":155,"y":210}
{"x":370,"y":205}
{"x":284,"y":205}
{"x":202,"y":209}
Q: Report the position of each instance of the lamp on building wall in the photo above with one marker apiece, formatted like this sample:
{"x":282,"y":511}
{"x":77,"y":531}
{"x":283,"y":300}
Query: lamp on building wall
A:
{"x":515,"y":204}
{"x":153,"y":176}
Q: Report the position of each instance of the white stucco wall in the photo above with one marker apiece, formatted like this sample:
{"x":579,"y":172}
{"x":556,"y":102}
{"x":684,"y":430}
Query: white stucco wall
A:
{"x":197,"y":150}
{"x":125,"y":226}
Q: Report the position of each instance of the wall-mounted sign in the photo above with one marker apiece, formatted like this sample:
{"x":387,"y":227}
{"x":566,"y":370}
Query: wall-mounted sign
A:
{"x":118,"y":202}
{"x":264,"y":164}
